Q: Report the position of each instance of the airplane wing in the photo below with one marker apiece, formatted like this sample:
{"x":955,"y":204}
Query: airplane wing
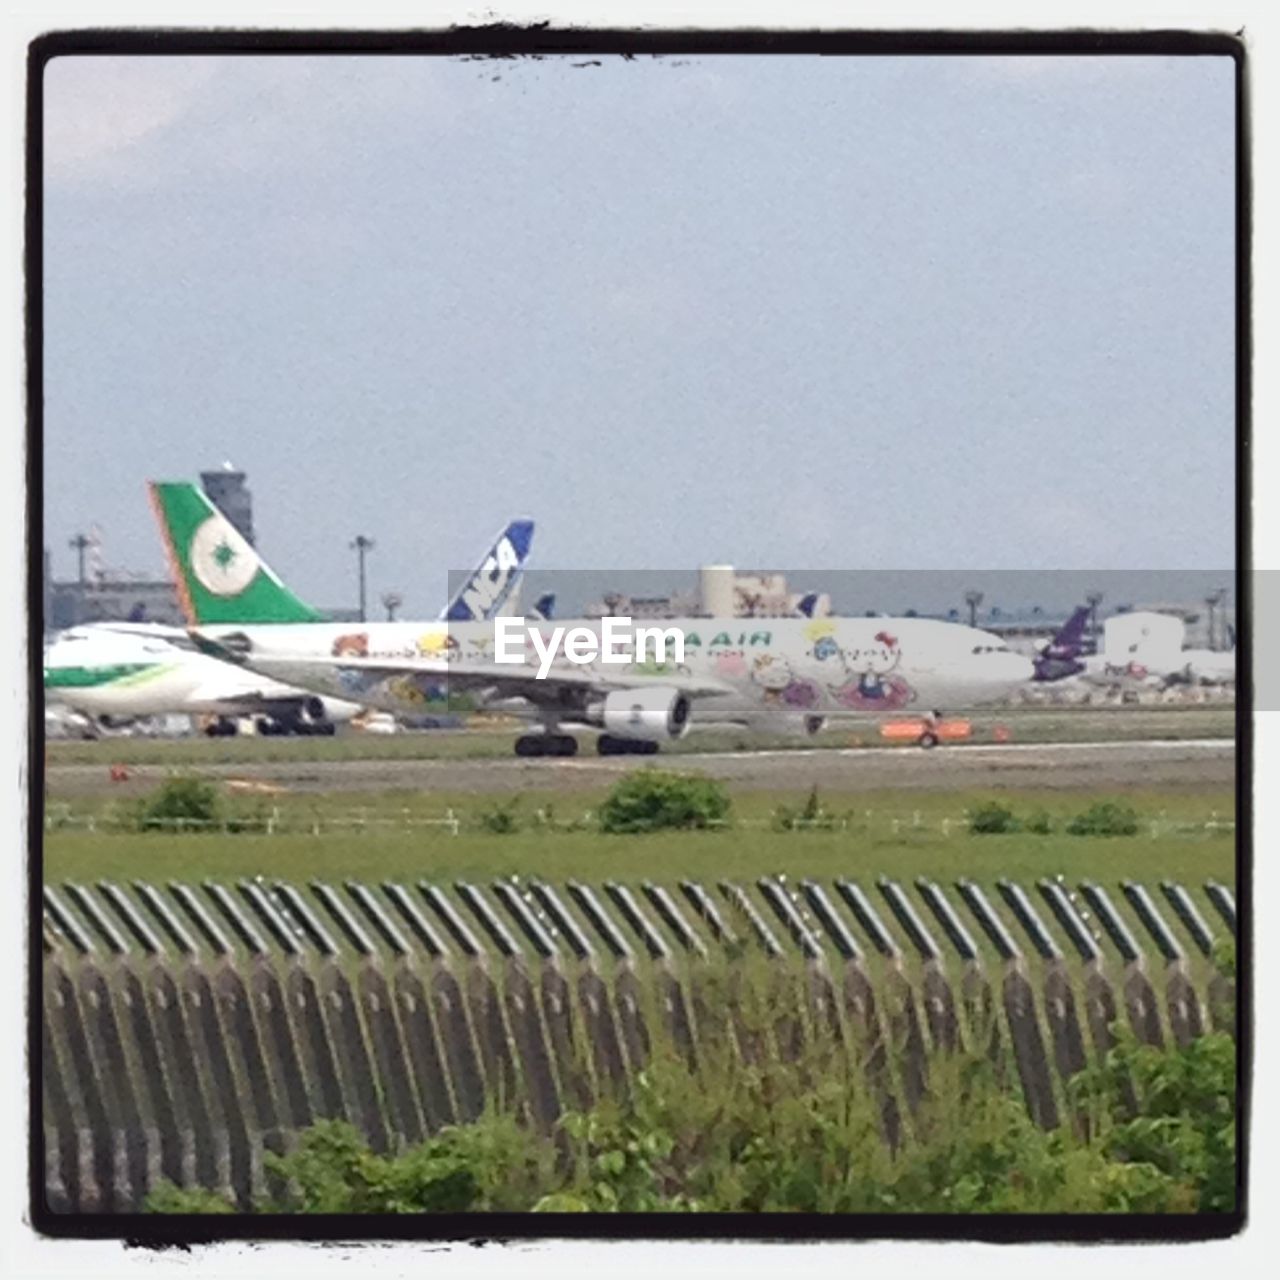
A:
{"x":247,"y":701}
{"x":563,"y":683}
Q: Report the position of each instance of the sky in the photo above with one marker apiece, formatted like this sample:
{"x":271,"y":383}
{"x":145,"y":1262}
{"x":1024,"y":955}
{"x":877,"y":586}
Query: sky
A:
{"x":786,"y":313}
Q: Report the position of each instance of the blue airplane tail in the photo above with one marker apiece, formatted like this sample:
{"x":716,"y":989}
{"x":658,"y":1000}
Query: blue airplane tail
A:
{"x":487,"y":589}
{"x":545,"y":606}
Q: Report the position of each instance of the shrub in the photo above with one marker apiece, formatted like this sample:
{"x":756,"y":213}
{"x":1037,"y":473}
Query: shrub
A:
{"x":179,"y":803}
{"x":773,"y":1136}
{"x":492,"y":1164}
{"x":1185,"y":1129}
{"x":1040,"y":823}
{"x":811,"y":816}
{"x":1106,"y":818}
{"x":658,"y":799}
{"x":169,"y":1198}
{"x":993,"y":819}
{"x":502,"y":819}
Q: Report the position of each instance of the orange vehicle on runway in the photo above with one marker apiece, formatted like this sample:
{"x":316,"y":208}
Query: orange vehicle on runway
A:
{"x":926,"y":731}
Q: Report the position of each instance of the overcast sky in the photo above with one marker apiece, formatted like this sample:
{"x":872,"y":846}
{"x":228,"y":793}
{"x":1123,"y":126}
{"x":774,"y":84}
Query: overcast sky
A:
{"x":794,"y":313}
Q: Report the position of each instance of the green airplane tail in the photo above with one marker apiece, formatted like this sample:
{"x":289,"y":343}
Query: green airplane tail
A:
{"x":219,"y":576}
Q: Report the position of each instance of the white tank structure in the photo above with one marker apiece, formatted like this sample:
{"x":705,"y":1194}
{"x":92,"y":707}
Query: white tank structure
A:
{"x":1152,"y":640}
{"x":716,"y":590}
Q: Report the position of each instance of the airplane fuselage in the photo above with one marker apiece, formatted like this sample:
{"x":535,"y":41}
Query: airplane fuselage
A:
{"x":761,"y":668}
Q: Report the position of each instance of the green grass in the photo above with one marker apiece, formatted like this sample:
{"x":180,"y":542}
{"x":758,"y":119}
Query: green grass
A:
{"x":889,"y":834}
{"x":1025,"y":724}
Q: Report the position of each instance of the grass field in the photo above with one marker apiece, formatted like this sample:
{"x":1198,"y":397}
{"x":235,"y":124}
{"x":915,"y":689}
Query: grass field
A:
{"x":1024,"y":724}
{"x":367,"y":836}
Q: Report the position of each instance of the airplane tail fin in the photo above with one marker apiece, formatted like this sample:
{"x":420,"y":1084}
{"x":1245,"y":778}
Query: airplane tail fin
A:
{"x":1069,"y":642}
{"x":544,"y":606}
{"x":487,"y":589}
{"x":806,"y":604}
{"x":1060,"y":658}
{"x":220,"y":578}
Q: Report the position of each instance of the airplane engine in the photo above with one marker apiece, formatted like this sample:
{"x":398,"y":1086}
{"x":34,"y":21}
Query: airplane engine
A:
{"x":335,"y":710}
{"x":646,"y":715}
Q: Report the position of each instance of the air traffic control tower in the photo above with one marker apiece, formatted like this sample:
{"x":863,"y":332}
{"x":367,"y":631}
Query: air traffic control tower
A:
{"x":227,"y":492}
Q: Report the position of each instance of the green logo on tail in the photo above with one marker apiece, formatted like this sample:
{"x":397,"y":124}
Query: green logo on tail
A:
{"x":219,"y":576}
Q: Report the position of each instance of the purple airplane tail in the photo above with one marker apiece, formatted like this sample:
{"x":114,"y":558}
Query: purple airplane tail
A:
{"x":1060,"y":658}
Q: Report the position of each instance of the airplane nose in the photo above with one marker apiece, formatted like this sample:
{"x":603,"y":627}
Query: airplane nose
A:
{"x":1005,"y":671}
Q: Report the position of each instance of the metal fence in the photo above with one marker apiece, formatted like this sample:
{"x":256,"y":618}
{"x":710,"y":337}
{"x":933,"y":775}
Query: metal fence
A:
{"x":189,"y":1030}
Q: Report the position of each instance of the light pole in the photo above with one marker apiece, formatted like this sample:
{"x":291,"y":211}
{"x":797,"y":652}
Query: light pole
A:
{"x":80,"y":544}
{"x":362,"y":545}
{"x":973,"y":599}
{"x":1093,"y":600}
{"x":1213,"y":600}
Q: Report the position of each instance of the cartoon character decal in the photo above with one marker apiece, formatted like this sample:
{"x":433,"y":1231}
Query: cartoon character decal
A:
{"x":825,"y":647}
{"x":869,"y":682}
{"x":779,"y":683}
{"x":405,"y":689}
{"x":357,"y":682}
{"x":439,"y":644}
{"x":730,"y":665}
{"x":802,"y":693}
{"x":355,"y":644}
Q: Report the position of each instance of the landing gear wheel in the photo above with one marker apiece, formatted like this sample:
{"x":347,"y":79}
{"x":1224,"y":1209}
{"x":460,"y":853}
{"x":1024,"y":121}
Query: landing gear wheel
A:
{"x":609,"y":745}
{"x":928,"y":739}
{"x":562,"y":744}
{"x":531,"y":744}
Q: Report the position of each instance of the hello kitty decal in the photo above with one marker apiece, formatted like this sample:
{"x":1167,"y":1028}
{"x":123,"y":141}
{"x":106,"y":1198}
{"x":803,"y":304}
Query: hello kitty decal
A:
{"x":867,"y":679}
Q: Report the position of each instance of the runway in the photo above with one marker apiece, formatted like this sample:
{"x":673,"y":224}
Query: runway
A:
{"x":1202,"y":763}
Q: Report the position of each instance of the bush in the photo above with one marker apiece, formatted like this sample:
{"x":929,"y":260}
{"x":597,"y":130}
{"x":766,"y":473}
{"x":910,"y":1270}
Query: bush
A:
{"x":179,"y":803}
{"x":658,"y":800}
{"x":1185,"y":1129}
{"x":168,"y":1198}
{"x":491,"y":1165}
{"x":775,"y":1136}
{"x":502,"y":819}
{"x":993,"y":819}
{"x":1040,"y":823}
{"x":811,"y":816}
{"x":1107,"y":818}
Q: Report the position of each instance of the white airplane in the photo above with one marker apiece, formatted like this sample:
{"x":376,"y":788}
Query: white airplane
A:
{"x":766,"y":674}
{"x":113,"y":677}
{"x":115,"y":672}
{"x":1146,"y":648}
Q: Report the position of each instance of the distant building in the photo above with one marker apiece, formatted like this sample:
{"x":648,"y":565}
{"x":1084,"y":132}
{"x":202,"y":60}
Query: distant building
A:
{"x":227,"y":491}
{"x":119,"y":595}
{"x":111,"y":598}
{"x":722,"y":593}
